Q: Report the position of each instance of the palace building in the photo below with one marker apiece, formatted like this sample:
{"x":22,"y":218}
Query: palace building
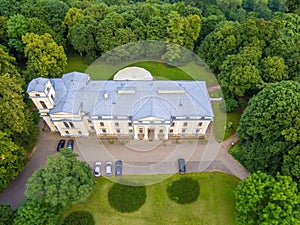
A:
{"x":75,"y":105}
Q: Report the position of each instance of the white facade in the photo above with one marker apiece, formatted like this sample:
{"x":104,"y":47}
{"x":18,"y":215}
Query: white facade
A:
{"x":80,"y":119}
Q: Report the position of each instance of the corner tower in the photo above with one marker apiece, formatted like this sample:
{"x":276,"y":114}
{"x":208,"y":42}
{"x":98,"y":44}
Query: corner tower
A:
{"x":42,"y":94}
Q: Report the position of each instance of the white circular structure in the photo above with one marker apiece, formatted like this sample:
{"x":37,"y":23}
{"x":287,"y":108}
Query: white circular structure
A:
{"x":133,"y":73}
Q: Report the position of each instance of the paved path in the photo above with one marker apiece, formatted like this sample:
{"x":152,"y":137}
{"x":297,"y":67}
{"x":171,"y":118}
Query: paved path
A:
{"x":139,"y":157}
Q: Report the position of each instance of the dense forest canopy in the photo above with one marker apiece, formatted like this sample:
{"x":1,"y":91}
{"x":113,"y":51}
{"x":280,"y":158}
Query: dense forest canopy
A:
{"x":253,"y":47}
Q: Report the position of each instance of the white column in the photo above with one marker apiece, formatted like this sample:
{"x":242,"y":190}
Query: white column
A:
{"x":135,"y":132}
{"x":205,"y":124}
{"x":166,"y":132}
{"x":146,"y":132}
{"x":156,"y":130}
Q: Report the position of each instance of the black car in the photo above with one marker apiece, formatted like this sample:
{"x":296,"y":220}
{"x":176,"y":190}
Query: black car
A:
{"x":70,"y":144}
{"x":60,"y":144}
{"x":181,"y":166}
{"x":118,"y":168}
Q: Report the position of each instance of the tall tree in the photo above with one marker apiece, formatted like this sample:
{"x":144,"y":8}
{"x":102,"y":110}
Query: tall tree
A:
{"x":9,"y":7}
{"x":269,"y":127}
{"x":62,"y":182}
{"x":273,"y":69}
{"x":17,"y":26}
{"x":82,"y":35}
{"x":262,"y":199}
{"x":240,"y":73}
{"x":191,"y":27}
{"x":216,"y":46}
{"x":45,"y":57}
{"x":50,"y":11}
{"x":12,"y":159}
{"x":35,"y":212}
{"x":112,"y":32}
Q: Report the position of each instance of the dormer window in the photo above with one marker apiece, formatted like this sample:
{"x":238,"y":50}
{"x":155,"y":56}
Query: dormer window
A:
{"x":48,"y":89}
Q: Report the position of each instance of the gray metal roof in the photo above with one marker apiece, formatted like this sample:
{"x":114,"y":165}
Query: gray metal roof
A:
{"x":140,"y":99}
{"x":37,"y":84}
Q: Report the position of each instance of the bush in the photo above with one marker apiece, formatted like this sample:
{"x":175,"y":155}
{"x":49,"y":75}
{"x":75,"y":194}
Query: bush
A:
{"x":79,"y":218}
{"x":6,"y":215}
{"x":184,"y":190}
{"x":126,"y":198}
{"x":178,"y":141}
{"x":229,"y":105}
{"x":111,"y":141}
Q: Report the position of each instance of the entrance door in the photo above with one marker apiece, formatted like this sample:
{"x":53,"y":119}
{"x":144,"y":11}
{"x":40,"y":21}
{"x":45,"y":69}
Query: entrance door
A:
{"x":151,"y":134}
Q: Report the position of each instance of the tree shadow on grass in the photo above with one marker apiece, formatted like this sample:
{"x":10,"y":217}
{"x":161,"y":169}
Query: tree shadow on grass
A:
{"x":184,"y":190}
{"x":126,"y":198}
{"x":79,"y":218}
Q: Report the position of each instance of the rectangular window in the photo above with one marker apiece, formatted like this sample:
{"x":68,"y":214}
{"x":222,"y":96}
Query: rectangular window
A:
{"x":117,"y":124}
{"x":104,"y":130}
{"x":72,"y":125}
{"x":141,"y":130}
{"x":129,"y":124}
{"x":101,"y":124}
{"x":183,"y":130}
{"x":118,"y":131}
{"x":79,"y":132}
{"x":173,"y":124}
{"x":197,"y":130}
{"x":90,"y":121}
{"x":43,"y":105}
{"x":130,"y":131}
{"x":92,"y":128}
{"x":185,"y":124}
{"x":37,"y":94}
{"x":171,"y":130}
{"x":199,"y":124}
{"x":67,"y":132}
{"x":161,"y":131}
{"x":66,"y":125}
{"x":52,"y":97}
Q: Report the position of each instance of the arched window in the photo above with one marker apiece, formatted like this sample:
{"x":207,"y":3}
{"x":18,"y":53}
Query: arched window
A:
{"x":66,"y":125}
{"x":43,"y":105}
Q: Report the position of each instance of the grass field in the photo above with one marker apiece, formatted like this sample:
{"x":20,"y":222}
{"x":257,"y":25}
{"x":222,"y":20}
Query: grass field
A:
{"x":220,"y":121}
{"x":76,"y":63}
{"x":214,"y":205}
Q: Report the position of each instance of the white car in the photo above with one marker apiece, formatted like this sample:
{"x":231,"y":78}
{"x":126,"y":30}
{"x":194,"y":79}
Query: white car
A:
{"x":108,"y":168}
{"x":97,"y":169}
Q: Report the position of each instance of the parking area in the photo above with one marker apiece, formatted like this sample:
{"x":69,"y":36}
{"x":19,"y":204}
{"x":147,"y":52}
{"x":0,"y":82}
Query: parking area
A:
{"x":138,"y":157}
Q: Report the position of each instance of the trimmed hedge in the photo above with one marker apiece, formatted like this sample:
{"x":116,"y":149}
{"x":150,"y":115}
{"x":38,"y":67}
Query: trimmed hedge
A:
{"x":184,"y":190}
{"x":79,"y":218}
{"x":126,"y":198}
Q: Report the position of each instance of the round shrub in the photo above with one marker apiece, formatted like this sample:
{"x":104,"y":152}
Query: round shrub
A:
{"x":184,"y":190}
{"x":79,"y":218}
{"x":126,"y":198}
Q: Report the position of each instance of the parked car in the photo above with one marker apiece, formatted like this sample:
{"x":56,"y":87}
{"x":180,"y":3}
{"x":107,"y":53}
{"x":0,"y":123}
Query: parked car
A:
{"x":181,"y":165}
{"x":97,"y":169}
{"x":108,"y":168}
{"x":118,"y":168}
{"x":70,"y":144}
{"x":60,"y":144}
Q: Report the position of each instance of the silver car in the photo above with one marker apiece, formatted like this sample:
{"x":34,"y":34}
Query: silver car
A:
{"x":97,"y":169}
{"x":108,"y":168}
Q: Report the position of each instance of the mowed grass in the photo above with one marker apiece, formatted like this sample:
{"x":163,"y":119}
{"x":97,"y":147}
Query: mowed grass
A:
{"x":76,"y":63}
{"x":220,"y":121}
{"x":214,"y":205}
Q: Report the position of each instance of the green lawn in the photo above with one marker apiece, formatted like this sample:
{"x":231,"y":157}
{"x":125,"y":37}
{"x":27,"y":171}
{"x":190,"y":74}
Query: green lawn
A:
{"x":220,"y":121}
{"x":76,"y":63}
{"x":214,"y":205}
